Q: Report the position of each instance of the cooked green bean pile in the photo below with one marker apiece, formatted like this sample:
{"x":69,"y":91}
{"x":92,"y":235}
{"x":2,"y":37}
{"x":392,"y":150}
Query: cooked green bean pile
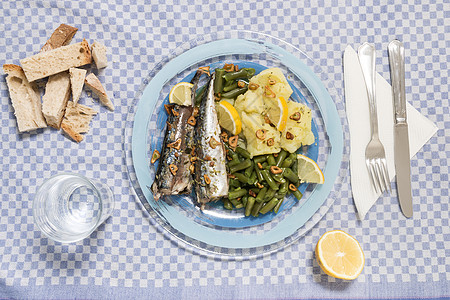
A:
{"x":229,"y":83}
{"x":259,"y":184}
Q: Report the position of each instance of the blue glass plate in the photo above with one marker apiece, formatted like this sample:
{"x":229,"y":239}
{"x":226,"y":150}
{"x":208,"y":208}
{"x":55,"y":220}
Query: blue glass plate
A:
{"x":216,"y":230}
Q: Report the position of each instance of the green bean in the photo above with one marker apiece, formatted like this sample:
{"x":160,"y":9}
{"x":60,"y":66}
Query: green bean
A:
{"x":297,"y":194}
{"x":218,"y":80}
{"x":249,"y":206}
{"x":230,"y":87}
{"x":235,"y":160}
{"x":252,"y":179}
{"x":237,"y":203}
{"x":280,"y":158}
{"x":293,"y":156}
{"x":261,"y":195}
{"x":234,"y":182}
{"x":269,"y":195}
{"x":241,"y":177}
{"x":269,"y":179}
{"x":234,"y":93}
{"x":244,"y":200}
{"x":228,"y":83}
{"x":278,"y":178}
{"x":265,"y":165}
{"x":259,"y":159}
{"x":241,"y":166}
{"x":295,"y":166}
{"x":284,"y":187}
{"x":259,"y":174}
{"x":227,"y":204}
{"x":271,"y":160}
{"x":250,"y":72}
{"x":277,"y":207}
{"x":239,"y":192}
{"x":242,"y":152}
{"x":279,"y":195}
{"x":287,"y":163}
{"x":242,"y":73}
{"x":256,"y":207}
{"x":269,"y":206}
{"x":291,"y":176}
{"x":199,"y":95}
{"x":249,"y":171}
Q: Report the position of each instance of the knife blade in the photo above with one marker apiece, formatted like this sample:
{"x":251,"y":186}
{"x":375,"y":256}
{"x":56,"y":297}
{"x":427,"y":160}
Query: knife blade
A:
{"x":401,"y":139}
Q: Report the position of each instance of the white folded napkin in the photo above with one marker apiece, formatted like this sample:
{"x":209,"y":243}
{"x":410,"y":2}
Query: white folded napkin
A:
{"x":420,"y":129}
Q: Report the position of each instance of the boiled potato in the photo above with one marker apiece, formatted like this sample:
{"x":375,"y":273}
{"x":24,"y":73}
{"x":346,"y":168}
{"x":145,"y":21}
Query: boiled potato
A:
{"x":251,"y":123}
{"x":298,"y":132}
{"x":275,"y":81}
{"x":250,"y":102}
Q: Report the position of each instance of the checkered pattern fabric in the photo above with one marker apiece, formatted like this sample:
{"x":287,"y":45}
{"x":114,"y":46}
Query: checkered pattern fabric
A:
{"x":129,"y":255}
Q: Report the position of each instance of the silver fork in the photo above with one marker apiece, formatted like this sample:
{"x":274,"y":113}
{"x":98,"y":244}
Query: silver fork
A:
{"x":375,"y":155}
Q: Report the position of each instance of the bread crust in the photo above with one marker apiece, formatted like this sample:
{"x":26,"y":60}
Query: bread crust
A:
{"x":25,"y":99}
{"x":57,"y":60}
{"x":95,"y":85}
{"x":70,"y":132}
{"x":62,"y":36}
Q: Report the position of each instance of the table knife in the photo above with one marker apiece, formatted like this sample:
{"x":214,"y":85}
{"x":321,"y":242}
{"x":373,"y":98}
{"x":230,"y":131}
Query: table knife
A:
{"x":401,"y":139}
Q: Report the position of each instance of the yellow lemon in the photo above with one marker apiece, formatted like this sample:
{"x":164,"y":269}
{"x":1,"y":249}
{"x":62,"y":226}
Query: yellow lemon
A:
{"x":181,"y":94}
{"x":278,"y":113}
{"x":340,"y":255}
{"x":308,"y":170}
{"x":229,"y":117}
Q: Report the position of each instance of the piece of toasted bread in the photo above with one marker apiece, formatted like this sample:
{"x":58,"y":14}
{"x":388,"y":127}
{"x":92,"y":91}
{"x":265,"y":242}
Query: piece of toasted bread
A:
{"x":77,"y":77}
{"x":60,"y":37}
{"x":25,"y":99}
{"x":99,"y":55}
{"x":76,"y":120}
{"x":94,"y":84}
{"x":54,"y":101}
{"x":56,"y":61}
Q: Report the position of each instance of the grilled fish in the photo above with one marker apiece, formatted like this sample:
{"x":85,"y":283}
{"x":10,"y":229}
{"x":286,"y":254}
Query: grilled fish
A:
{"x":210,"y":169}
{"x":174,"y":175}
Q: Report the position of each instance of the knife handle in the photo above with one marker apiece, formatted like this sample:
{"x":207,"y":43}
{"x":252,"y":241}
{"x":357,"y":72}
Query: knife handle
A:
{"x":397,"y":65}
{"x":366,"y":55}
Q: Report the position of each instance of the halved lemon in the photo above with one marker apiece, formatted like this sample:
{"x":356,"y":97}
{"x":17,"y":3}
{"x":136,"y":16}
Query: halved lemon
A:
{"x":308,"y":170}
{"x":229,"y":117}
{"x":340,"y":255}
{"x":278,"y":113}
{"x":181,"y":94}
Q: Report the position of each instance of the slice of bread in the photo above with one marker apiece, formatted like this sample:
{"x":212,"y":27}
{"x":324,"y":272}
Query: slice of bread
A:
{"x":77,"y":77}
{"x":94,"y":84}
{"x":56,"y":61}
{"x":54,"y":101}
{"x":76,"y":120}
{"x":99,"y":55}
{"x":60,"y":37}
{"x":25,"y":99}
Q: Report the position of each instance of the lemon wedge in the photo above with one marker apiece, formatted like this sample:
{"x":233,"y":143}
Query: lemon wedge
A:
{"x":308,"y":170}
{"x":340,"y":255}
{"x":181,"y":94}
{"x":278,"y":113}
{"x":228,"y":117}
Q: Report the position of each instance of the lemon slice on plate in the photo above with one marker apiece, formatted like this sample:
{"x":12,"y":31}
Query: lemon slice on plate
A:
{"x":340,"y":255}
{"x":278,"y":113}
{"x":308,"y":170}
{"x":181,"y":94}
{"x":228,"y":117}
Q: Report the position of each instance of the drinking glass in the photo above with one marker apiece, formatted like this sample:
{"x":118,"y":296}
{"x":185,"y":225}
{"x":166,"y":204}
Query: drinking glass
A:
{"x":68,"y":207}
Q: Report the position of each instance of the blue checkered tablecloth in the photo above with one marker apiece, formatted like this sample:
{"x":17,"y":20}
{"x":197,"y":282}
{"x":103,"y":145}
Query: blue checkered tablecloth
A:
{"x":128,"y":256}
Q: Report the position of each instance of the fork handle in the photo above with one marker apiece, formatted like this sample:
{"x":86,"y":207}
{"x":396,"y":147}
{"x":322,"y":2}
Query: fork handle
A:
{"x":366,"y":54}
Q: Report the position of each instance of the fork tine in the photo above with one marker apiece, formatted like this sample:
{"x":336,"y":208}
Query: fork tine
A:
{"x":381,"y":176}
{"x":376,"y":180}
{"x":377,"y":172}
{"x":386,"y":176}
{"x":369,"y":168}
